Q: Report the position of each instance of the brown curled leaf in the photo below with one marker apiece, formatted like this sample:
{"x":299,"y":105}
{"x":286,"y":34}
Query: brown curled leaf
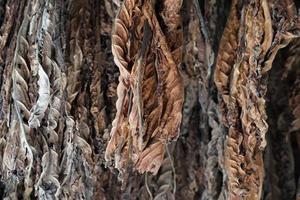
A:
{"x":150,"y":91}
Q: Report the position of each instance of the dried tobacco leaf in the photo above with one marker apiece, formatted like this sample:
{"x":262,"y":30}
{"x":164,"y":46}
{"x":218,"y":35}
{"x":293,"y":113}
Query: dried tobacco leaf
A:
{"x":242,"y":92}
{"x":37,"y":111}
{"x":149,"y":92}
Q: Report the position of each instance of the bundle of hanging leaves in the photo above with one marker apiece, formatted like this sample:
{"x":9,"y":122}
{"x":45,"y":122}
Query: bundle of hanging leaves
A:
{"x":146,"y":99}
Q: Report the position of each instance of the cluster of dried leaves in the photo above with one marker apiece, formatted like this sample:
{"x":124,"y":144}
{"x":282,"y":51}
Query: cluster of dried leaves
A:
{"x":87,"y":84}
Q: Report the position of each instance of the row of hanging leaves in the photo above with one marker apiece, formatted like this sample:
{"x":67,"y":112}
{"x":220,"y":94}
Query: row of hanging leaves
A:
{"x":60,"y":97}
